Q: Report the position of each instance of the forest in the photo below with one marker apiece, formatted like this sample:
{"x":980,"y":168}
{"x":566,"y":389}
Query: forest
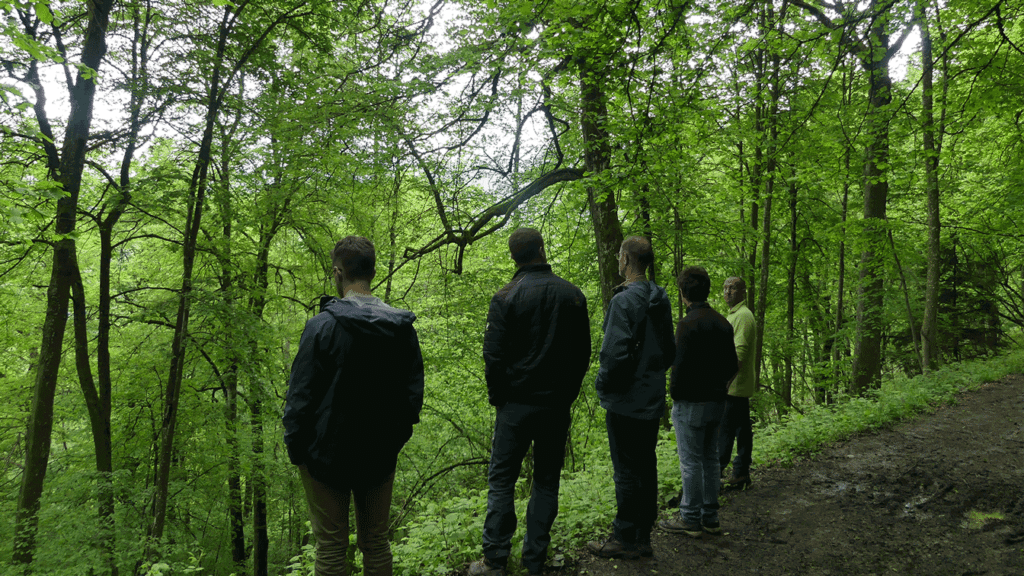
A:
{"x":174,"y":173}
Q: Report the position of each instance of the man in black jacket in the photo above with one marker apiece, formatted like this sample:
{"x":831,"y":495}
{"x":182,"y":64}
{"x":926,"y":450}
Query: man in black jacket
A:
{"x":636,"y":352}
{"x":536,"y":352}
{"x":705,"y":363}
{"x":356,"y":390}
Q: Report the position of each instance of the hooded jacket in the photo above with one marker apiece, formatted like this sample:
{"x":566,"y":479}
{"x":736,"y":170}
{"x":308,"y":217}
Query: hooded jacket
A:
{"x":636,"y":352}
{"x":537,"y":340}
{"x":355,"y":391}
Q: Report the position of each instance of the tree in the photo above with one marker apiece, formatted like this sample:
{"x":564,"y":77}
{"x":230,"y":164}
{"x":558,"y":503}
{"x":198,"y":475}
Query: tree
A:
{"x":65,"y":166}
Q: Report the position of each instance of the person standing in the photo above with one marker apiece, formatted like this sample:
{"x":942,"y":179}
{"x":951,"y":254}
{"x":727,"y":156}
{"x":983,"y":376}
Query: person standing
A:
{"x":635,"y":355}
{"x":704,"y":364}
{"x":356,"y":389}
{"x":736,"y":422}
{"x":536,"y":352}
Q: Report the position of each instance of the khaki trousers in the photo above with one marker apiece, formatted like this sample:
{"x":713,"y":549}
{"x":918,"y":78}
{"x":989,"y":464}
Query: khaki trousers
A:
{"x":328,"y":512}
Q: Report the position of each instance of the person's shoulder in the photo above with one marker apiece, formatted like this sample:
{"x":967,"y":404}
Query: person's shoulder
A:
{"x":321,"y":322}
{"x":632,"y":294}
{"x":505,"y":291}
{"x":549,"y":277}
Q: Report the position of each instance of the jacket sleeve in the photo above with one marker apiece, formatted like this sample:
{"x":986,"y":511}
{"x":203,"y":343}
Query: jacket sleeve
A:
{"x":414,"y":388}
{"x":301,"y":402}
{"x":730,"y":362}
{"x":664,"y":337}
{"x":743,"y":334}
{"x":676,"y":386}
{"x":615,"y":374}
{"x":495,"y":353}
{"x":584,"y":345}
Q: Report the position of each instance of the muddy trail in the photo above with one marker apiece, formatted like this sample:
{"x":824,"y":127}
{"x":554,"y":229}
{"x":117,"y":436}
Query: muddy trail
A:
{"x":942,"y":494}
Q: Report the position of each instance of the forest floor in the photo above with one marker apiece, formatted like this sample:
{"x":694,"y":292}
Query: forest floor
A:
{"x":941,"y":494}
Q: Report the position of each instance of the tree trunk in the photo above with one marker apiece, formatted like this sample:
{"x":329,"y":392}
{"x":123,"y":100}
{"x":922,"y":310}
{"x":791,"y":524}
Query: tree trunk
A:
{"x":196,"y":202}
{"x":99,"y":421}
{"x":645,"y":215}
{"x":771,"y":121}
{"x":929,"y":325}
{"x":259,"y":493}
{"x":787,"y":388}
{"x":597,"y":157}
{"x":867,"y":360}
{"x":67,"y":170}
{"x":839,"y":347}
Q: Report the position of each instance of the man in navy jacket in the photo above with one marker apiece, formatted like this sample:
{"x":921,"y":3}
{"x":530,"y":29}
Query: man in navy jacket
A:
{"x":536,"y":352}
{"x":356,"y":390}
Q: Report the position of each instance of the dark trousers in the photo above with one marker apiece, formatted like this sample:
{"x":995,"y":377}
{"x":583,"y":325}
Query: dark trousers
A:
{"x":515,"y":428}
{"x":632,"y":443}
{"x":736,"y":425}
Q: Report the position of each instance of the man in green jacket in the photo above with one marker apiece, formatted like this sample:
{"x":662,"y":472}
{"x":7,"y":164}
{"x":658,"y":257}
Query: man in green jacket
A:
{"x":736,"y":422}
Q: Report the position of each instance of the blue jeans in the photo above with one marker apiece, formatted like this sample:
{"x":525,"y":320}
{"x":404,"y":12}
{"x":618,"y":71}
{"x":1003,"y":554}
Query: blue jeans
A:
{"x":515,"y":428}
{"x":633,"y":444}
{"x":696,"y":426}
{"x":736,"y":424}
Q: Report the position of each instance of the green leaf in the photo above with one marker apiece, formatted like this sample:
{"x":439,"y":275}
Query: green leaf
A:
{"x":43,"y":12}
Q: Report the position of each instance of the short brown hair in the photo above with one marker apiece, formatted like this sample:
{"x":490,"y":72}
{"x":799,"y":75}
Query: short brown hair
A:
{"x":695,"y":284}
{"x":355,"y":257}
{"x":525,"y":245}
{"x":640,"y":249}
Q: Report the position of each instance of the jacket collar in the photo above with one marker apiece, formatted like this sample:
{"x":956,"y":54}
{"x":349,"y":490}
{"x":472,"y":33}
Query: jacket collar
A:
{"x":527,"y":268}
{"x":697,"y":305}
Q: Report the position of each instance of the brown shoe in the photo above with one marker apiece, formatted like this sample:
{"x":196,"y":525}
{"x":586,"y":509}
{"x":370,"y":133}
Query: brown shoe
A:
{"x":677,"y":526}
{"x":484,"y":568}
{"x":612,"y":548}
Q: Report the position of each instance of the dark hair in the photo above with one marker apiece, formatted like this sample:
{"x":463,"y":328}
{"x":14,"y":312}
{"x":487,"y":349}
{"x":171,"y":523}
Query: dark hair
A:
{"x":525,"y":245}
{"x":641,"y":250}
{"x":356,"y":258}
{"x":695,"y":284}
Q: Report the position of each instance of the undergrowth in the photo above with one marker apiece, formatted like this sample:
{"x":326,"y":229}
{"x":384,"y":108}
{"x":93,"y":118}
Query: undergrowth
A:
{"x":447,"y":535}
{"x":805,"y":434}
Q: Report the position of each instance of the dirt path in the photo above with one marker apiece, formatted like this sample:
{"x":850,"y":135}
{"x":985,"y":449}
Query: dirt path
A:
{"x":942,"y":494}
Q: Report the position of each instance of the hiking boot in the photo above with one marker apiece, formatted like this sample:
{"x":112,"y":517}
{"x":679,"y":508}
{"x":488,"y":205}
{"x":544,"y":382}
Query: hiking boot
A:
{"x":678,"y":526}
{"x":713,"y":528}
{"x":645,"y":549}
{"x":612,"y":548}
{"x":483,"y":567}
{"x":736,"y":483}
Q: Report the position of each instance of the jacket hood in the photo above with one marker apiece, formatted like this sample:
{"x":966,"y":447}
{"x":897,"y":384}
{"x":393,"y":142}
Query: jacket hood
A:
{"x":646,"y":290}
{"x":376,"y":319}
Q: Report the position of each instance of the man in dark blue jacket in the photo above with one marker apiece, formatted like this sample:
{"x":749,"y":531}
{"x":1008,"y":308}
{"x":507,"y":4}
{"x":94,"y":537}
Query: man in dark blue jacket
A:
{"x":705,"y":362}
{"x":636,"y":352}
{"x":536,"y":352}
{"x":356,"y":390}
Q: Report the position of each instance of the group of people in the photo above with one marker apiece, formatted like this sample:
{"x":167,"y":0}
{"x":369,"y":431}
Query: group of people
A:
{"x":356,"y":390}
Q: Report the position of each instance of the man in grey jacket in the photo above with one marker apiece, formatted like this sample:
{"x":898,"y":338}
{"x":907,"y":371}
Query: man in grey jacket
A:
{"x":636,"y":352}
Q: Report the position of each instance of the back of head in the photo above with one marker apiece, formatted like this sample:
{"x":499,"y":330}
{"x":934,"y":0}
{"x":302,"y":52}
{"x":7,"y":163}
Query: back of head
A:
{"x":355,"y":257}
{"x":525,"y":245}
{"x":695,"y":284}
{"x":640,"y":251}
